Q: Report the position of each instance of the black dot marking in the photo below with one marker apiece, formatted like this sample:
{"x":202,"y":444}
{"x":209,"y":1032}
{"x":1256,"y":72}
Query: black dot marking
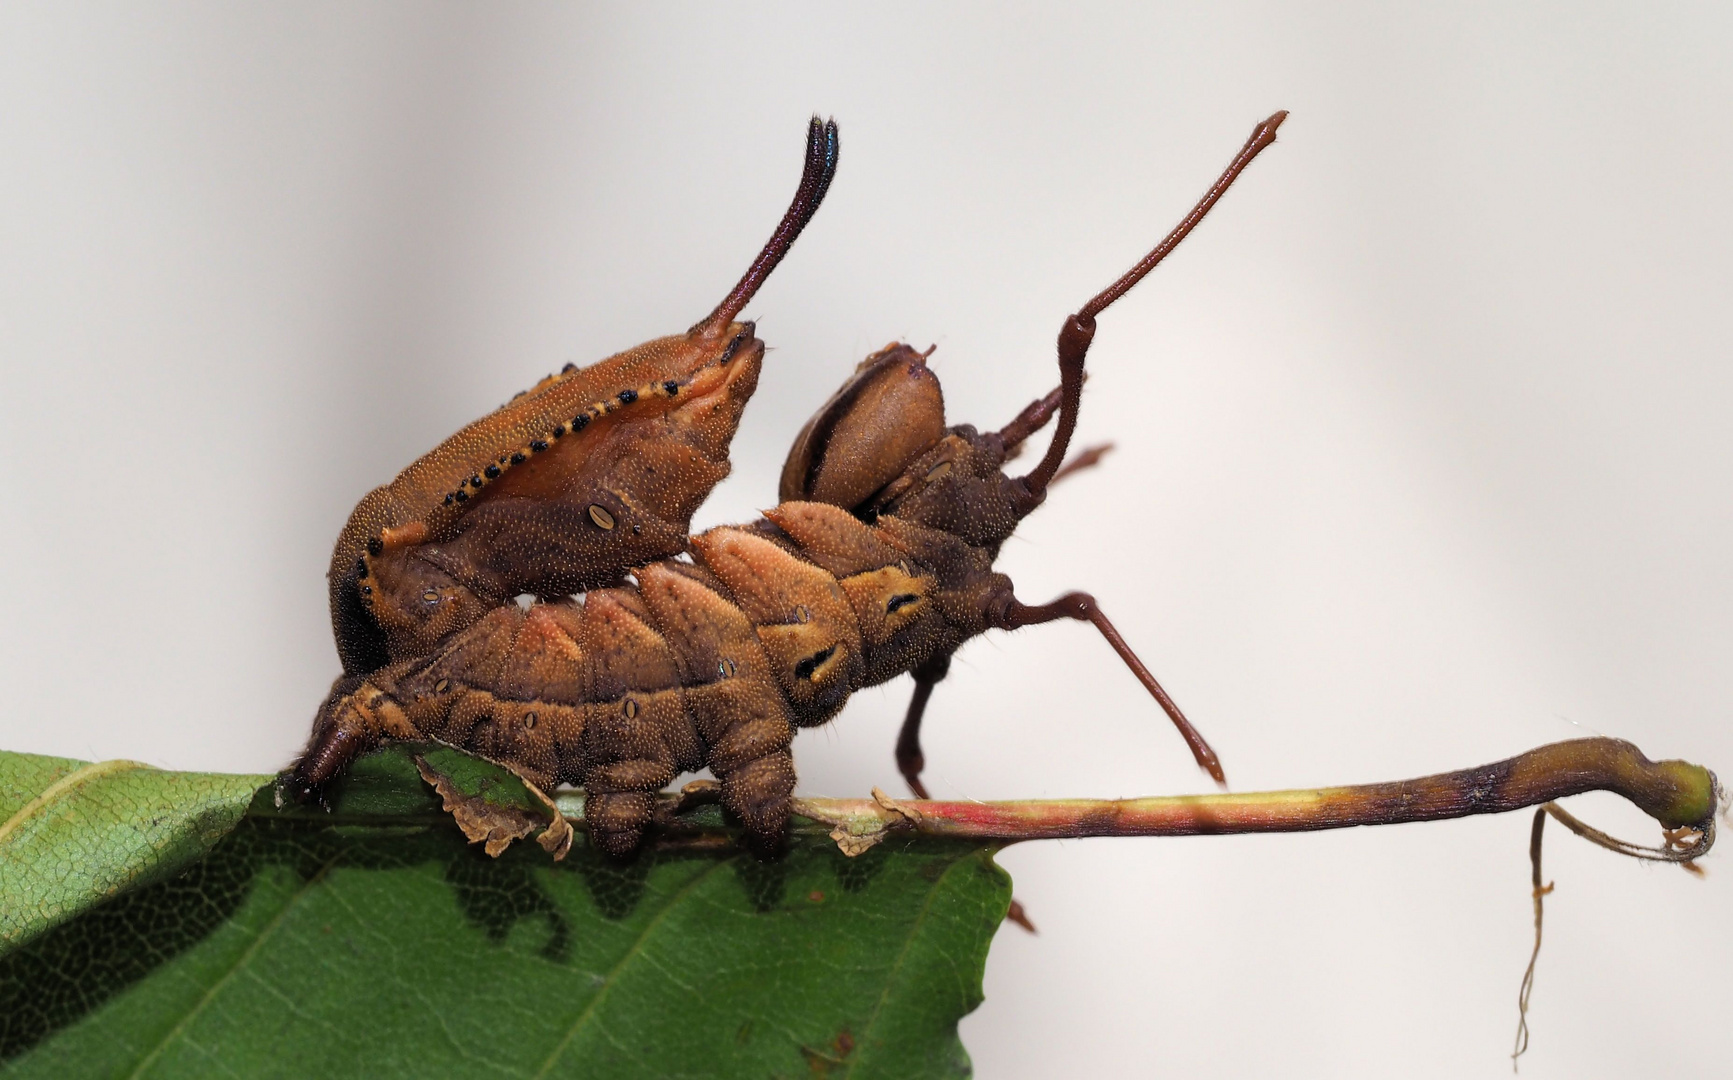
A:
{"x":628,"y":396}
{"x":518,"y":458}
{"x":805,"y":668}
{"x":568,"y":369}
{"x":449,"y":499}
{"x":375,"y":547}
{"x":581,"y":421}
{"x":461,"y":496}
{"x":361,"y":568}
{"x":492,"y":471}
{"x":538,"y":446}
{"x":559,"y":430}
{"x":671,"y":387}
{"x":366,"y":590}
{"x":502,"y":459}
{"x":475,"y":481}
{"x":900,"y":602}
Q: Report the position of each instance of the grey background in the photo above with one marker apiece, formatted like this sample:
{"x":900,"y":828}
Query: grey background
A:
{"x":1423,"y":435}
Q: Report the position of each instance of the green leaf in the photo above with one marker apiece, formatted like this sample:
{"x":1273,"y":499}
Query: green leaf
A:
{"x":374,"y":941}
{"x":73,"y":834}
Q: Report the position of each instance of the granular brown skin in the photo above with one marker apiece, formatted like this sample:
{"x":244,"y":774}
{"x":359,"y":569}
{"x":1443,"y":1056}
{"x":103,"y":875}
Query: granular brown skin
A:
{"x":712,"y":660}
{"x":707,"y":651}
{"x":555,"y":492}
{"x":590,"y":471}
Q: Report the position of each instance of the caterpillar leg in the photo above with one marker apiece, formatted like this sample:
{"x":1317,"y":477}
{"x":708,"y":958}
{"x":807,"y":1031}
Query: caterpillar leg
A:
{"x":1009,"y":613}
{"x":620,"y":800}
{"x":750,"y":755}
{"x":758,"y":792}
{"x":910,"y":759}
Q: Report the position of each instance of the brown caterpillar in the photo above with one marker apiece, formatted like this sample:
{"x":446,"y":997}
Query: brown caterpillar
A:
{"x":590,"y":471}
{"x":879,"y":561}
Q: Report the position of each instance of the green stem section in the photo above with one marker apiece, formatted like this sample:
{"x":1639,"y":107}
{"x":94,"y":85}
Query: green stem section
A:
{"x":1677,"y":794}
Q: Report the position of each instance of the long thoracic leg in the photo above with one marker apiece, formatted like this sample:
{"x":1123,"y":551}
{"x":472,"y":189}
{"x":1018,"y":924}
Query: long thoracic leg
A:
{"x":1035,"y":417}
{"x":1013,"y":614}
{"x":910,"y":760}
{"x":1078,"y":331}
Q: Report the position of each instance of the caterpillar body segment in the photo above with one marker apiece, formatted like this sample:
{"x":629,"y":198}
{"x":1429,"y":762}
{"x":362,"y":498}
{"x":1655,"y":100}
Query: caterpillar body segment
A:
{"x":710,"y":650}
{"x":713,"y":662}
{"x":590,"y":471}
{"x":596,"y":487}
{"x":888,"y":412}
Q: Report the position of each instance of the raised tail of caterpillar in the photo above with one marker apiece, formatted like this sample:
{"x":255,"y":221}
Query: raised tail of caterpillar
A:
{"x":879,"y":561}
{"x":590,"y":471}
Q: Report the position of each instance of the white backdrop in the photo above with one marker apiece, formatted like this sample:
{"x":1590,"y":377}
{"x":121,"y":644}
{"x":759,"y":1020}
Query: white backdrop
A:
{"x":1424,"y":451}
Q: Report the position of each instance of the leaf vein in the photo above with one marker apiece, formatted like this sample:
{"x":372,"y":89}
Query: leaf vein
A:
{"x":240,"y":962}
{"x":613,"y":972}
{"x":865,"y":1040}
{"x":61,"y":786}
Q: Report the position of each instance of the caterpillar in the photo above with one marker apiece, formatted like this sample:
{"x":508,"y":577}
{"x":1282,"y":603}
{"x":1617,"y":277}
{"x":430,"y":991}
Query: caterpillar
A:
{"x":590,"y":471}
{"x":877,"y":561}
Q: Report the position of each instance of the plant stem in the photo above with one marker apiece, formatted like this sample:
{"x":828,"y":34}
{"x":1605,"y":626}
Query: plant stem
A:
{"x":1677,"y":794}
